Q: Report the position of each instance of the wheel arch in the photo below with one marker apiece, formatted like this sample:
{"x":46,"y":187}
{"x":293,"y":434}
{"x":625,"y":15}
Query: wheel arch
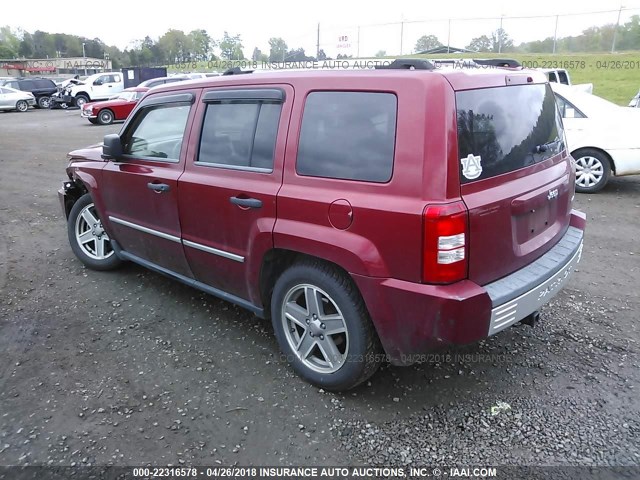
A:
{"x":276,"y":261}
{"x":76,"y":190}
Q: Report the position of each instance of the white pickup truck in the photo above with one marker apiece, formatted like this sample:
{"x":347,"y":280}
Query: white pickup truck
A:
{"x":100,"y":86}
{"x":560,"y":75}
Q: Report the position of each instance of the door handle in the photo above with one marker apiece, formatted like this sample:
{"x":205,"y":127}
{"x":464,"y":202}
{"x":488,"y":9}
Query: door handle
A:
{"x":158,"y":187}
{"x":246,"y":202}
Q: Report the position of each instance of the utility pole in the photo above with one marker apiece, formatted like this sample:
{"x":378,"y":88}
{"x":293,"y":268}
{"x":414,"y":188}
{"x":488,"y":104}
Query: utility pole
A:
{"x":401,"y":32}
{"x":358,"y":54}
{"x":84,"y":58}
{"x":500,"y":35}
{"x":615,"y":32}
{"x":318,"y":43}
{"x":449,"y":38}
{"x":555,"y":35}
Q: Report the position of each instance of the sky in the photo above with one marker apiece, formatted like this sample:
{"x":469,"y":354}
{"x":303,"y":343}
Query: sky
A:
{"x":118,"y":22}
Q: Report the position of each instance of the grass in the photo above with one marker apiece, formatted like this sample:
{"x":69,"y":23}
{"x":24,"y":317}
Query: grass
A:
{"x":615,"y":77}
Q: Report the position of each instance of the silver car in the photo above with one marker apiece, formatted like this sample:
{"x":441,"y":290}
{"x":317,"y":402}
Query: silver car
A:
{"x":12,"y":99}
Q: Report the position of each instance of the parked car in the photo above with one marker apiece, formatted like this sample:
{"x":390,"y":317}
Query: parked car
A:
{"x":117,"y":108}
{"x":388,"y":210}
{"x":100,"y":86}
{"x":12,"y":99}
{"x":635,"y":101}
{"x":602,"y":137}
{"x":41,"y":88}
{"x":154,"y":82}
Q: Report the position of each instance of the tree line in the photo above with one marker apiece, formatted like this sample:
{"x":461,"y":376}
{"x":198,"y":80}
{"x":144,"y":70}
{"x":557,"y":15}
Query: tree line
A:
{"x":176,"y":46}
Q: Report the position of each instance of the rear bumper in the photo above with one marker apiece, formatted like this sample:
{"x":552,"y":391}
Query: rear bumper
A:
{"x":412,"y":318}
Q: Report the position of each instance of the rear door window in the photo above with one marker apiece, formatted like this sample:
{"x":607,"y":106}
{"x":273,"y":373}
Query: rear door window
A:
{"x":348,"y":135}
{"x":506,"y":128}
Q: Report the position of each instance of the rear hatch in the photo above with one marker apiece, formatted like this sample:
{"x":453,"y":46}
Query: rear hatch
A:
{"x":516,"y":176}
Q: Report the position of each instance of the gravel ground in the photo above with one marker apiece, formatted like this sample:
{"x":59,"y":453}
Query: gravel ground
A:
{"x":131,"y":368}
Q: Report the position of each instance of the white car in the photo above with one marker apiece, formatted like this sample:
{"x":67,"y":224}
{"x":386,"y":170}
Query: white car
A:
{"x":601,"y":136}
{"x":100,"y":86}
{"x":12,"y":99}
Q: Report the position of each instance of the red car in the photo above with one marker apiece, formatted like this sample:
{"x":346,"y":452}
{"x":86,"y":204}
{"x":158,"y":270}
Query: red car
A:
{"x":116,"y":108}
{"x":371,"y":215}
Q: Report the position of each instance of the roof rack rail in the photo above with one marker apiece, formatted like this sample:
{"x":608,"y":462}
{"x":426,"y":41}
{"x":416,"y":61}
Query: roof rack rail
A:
{"x":407,"y":64}
{"x":236,"y":71}
{"x":498,"y":62}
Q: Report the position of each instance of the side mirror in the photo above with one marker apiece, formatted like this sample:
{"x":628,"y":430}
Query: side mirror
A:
{"x":111,"y":147}
{"x":98,"y":82}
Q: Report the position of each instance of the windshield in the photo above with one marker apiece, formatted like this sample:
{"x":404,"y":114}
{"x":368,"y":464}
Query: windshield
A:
{"x":126,"y":96}
{"x":506,"y":128}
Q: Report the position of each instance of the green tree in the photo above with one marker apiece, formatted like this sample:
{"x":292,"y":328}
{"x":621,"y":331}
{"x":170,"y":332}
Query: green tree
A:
{"x":277,"y":49}
{"x":175,"y":46}
{"x":231,"y":47}
{"x":480,"y":44}
{"x":500,"y":41}
{"x":201,"y":44}
{"x":381,"y":53}
{"x":6,"y":52}
{"x":43,"y":45}
{"x":26,"y":46}
{"x":322,"y":55}
{"x":427,"y":42}
{"x":10,"y":42}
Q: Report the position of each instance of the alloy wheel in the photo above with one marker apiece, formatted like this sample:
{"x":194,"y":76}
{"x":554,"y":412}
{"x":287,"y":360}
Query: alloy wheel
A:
{"x":90,"y":235}
{"x":315,"y":328}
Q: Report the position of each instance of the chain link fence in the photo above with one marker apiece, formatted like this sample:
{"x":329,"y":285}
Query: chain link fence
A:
{"x":535,"y":34}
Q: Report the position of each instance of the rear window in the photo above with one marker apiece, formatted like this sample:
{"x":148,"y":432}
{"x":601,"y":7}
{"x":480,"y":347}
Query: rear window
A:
{"x":26,"y":85}
{"x":348,"y":135}
{"x":506,"y":128}
{"x":44,"y":83}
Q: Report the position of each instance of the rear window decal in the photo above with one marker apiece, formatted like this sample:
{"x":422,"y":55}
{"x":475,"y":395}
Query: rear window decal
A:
{"x":471,"y":166}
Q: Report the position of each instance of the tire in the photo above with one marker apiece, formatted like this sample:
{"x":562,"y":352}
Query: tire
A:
{"x":593,"y":170}
{"x":337,"y":361}
{"x":22,"y":106}
{"x":81,"y":99}
{"x":105,"y":117}
{"x":44,"y":102}
{"x":88,"y":240}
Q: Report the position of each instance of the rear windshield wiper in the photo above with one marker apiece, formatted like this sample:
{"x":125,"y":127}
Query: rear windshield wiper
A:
{"x":545,"y":146}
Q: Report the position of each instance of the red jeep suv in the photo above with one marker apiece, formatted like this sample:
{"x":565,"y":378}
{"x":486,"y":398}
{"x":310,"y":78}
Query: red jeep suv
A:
{"x":371,"y":214}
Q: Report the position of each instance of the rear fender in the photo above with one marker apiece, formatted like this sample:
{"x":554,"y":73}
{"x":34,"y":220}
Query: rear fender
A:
{"x":353,"y":253}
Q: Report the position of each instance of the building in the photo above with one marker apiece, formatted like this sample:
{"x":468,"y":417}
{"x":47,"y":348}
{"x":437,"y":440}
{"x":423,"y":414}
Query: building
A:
{"x":54,"y":66}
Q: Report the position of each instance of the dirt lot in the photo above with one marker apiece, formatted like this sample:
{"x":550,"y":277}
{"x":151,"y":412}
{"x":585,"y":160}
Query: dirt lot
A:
{"x":130,"y":368}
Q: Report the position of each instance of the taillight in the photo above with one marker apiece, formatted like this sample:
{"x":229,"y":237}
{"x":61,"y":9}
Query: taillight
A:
{"x":445,"y":243}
